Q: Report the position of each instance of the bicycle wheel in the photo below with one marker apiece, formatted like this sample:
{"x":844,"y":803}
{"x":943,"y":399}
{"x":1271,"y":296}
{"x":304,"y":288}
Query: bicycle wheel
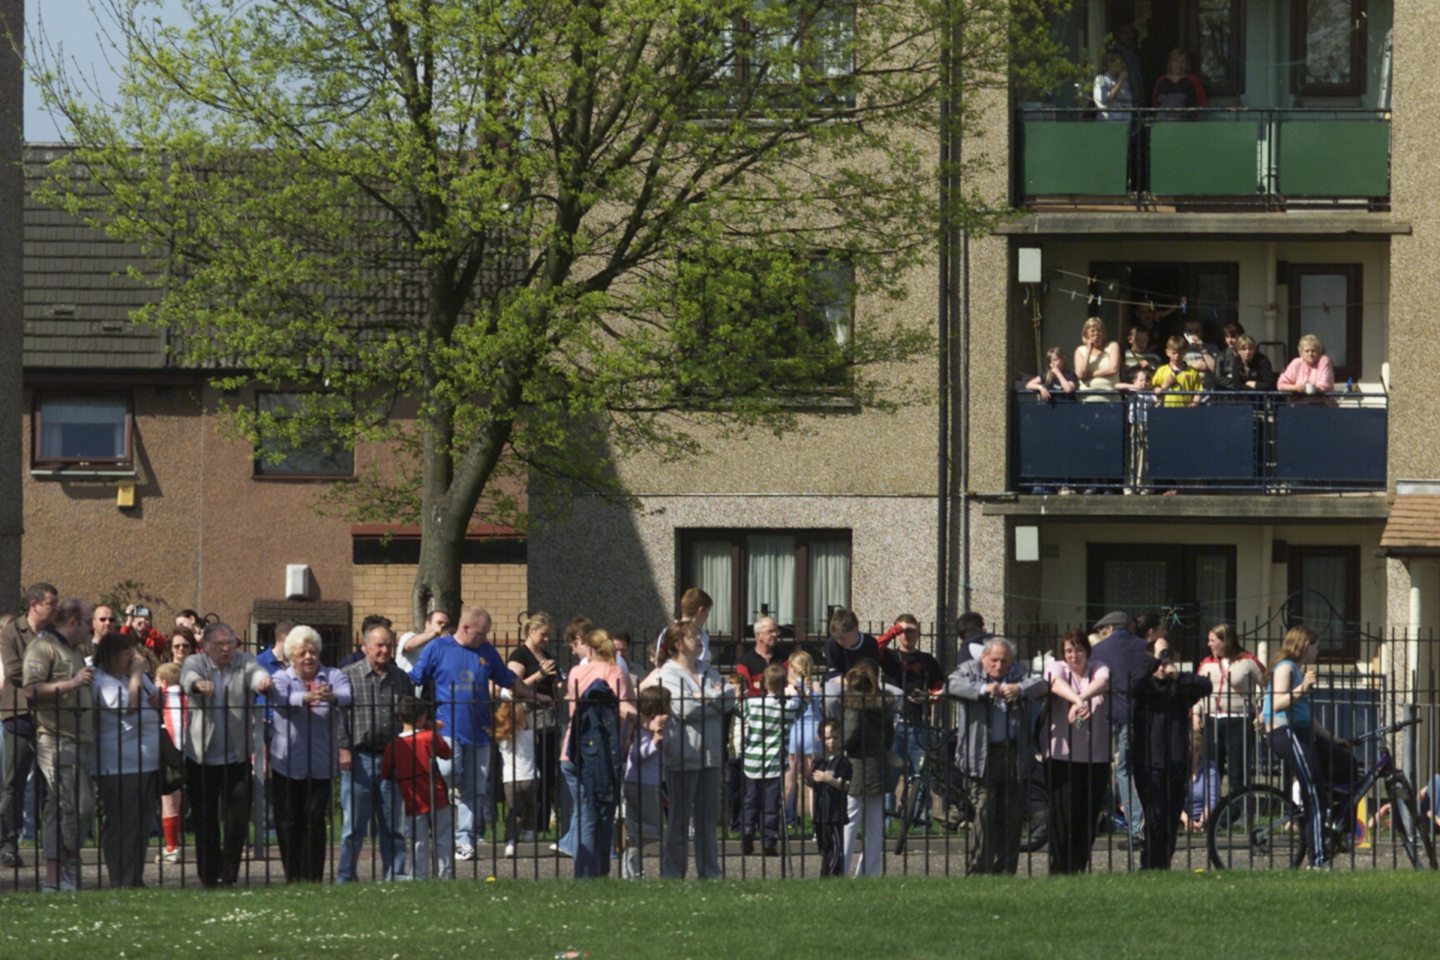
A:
{"x":914,"y":787}
{"x":1416,"y":840}
{"x":1258,"y":828}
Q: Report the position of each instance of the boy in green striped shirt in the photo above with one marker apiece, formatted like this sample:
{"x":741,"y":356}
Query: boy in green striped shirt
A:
{"x":767,"y":719}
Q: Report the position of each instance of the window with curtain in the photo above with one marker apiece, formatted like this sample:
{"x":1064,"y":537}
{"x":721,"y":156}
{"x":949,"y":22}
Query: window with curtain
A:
{"x":796,"y":576}
{"x":1328,"y":40}
{"x":82,"y":431}
{"x":305,"y":451}
{"x":1326,"y":299}
{"x":1324,"y":588}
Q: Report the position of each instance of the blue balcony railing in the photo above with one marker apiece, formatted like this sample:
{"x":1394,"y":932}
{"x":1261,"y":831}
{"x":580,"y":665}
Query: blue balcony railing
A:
{"x":1248,"y":157}
{"x":1224,"y":442}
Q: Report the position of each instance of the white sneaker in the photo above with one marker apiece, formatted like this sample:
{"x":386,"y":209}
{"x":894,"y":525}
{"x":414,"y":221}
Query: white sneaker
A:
{"x":510,"y":850}
{"x":464,"y":851}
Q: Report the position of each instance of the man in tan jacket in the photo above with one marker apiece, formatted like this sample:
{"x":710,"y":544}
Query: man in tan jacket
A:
{"x":19,"y":722}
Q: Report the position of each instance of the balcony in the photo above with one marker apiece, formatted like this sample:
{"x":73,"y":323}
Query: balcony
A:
{"x":1261,"y":158}
{"x":1229,"y":443}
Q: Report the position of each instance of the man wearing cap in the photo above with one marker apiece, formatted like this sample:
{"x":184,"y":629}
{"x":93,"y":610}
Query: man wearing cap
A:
{"x":1124,"y":655}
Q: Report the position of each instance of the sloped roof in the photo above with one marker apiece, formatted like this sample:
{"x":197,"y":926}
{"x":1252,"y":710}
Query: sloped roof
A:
{"x":1413,"y":526}
{"x":78,"y":300}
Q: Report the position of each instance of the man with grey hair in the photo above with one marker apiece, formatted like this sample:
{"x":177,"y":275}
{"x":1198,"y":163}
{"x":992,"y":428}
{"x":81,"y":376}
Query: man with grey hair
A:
{"x":995,"y":750}
{"x":221,"y":681}
{"x":57,"y":684}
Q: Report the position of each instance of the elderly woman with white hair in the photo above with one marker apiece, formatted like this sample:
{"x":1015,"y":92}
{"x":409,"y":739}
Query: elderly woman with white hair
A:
{"x":304,"y":759}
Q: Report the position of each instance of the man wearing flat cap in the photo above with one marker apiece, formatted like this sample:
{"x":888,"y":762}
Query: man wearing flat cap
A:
{"x":1124,"y":655}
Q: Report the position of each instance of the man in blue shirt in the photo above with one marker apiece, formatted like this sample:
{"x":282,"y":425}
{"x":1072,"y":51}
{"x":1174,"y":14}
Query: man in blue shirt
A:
{"x":1124,"y":655}
{"x":461,"y":668}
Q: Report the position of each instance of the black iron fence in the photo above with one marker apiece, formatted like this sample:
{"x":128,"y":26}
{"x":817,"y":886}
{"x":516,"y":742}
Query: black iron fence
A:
{"x":184,"y":790}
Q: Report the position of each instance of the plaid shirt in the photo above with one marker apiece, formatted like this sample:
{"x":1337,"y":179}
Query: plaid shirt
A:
{"x":371,"y":723}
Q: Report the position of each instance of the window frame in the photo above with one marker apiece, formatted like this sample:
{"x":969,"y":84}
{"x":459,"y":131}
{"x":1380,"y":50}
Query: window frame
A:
{"x":744,"y":56}
{"x":40,"y":463}
{"x":1347,"y":648}
{"x":261,"y":469}
{"x":1299,"y":52}
{"x":740,"y":619}
{"x":1354,"y":274}
{"x":1236,"y":64}
{"x":1181,"y":567}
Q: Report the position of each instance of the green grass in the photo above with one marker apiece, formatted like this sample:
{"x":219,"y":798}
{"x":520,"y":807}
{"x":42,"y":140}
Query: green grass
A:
{"x":1172,"y":916}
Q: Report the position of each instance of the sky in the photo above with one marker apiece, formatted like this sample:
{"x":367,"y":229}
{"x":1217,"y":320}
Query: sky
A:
{"x":74,"y":28}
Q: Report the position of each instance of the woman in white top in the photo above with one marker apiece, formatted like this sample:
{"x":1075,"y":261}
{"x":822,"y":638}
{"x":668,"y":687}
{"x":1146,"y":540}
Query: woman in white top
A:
{"x":127,"y":757}
{"x":1097,"y":360}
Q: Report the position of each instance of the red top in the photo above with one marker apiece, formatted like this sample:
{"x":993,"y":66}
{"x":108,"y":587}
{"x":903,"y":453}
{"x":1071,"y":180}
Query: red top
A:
{"x":408,"y":761}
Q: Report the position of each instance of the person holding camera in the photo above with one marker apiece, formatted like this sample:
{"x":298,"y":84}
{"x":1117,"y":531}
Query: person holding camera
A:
{"x":1161,"y":748}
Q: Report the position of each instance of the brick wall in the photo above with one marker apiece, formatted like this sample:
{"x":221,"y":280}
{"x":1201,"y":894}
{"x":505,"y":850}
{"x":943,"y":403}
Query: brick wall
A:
{"x":498,"y":587}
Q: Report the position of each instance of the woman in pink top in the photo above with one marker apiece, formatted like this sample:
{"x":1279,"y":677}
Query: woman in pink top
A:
{"x":596,"y":794}
{"x":1310,"y":372}
{"x":1077,"y":752}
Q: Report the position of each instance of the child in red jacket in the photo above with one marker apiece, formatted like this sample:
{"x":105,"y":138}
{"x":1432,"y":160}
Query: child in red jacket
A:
{"x":410,"y":761}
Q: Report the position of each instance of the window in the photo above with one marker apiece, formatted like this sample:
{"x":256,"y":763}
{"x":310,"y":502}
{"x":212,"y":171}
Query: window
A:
{"x":295,"y":449}
{"x":1326,"y":300}
{"x":795,"y":576}
{"x":1324,"y":595}
{"x":1193,"y":584}
{"x":1327,"y":39}
{"x":1218,"y":29}
{"x":790,"y":53}
{"x":1211,"y":291}
{"x":91,"y":431}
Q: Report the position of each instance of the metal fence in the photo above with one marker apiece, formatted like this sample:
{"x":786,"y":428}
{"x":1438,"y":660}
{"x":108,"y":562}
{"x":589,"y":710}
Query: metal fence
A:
{"x":266,"y":801}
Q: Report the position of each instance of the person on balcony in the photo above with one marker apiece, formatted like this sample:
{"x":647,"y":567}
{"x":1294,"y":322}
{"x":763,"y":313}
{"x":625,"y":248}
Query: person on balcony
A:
{"x":1055,"y":379}
{"x":1311,"y":372}
{"x":1112,"y":90}
{"x":1140,"y":350}
{"x":1178,"y":89}
{"x":1097,"y":361}
{"x":1179,"y":382}
{"x":1244,"y":367}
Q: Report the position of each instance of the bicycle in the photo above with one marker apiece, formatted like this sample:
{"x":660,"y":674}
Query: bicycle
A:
{"x":937,"y":776}
{"x":1260,"y":825}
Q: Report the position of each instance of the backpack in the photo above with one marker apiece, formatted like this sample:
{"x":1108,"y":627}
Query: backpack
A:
{"x":594,"y":745}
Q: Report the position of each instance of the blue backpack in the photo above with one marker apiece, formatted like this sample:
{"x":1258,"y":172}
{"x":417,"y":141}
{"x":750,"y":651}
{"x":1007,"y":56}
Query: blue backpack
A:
{"x":595,"y":741}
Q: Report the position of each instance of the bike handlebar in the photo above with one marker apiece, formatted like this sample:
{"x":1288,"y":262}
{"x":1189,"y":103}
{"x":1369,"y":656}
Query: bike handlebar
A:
{"x":1379,"y":732}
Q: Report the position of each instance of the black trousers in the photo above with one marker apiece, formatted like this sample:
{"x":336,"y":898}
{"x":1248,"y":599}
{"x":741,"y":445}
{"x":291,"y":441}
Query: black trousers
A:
{"x":762,"y":806}
{"x":1162,"y":792}
{"x":300,"y":809}
{"x":831,"y":839}
{"x":1076,"y":797}
{"x":19,"y":761}
{"x":1230,"y":742}
{"x":219,"y":796}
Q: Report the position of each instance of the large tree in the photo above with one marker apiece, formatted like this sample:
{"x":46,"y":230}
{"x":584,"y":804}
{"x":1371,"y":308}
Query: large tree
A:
{"x":549,"y":230}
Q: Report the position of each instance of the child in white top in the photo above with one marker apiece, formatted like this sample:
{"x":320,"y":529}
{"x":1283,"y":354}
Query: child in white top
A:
{"x":515,"y":732}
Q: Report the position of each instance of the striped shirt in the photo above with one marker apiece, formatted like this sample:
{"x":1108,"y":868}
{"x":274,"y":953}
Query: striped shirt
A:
{"x":767,"y":722}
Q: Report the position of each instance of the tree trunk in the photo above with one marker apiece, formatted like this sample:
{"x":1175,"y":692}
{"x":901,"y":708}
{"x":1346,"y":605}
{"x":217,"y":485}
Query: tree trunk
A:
{"x":437,"y":578}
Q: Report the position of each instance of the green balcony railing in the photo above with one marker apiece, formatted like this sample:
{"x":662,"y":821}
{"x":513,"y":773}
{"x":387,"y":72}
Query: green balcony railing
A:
{"x":1268,"y":157}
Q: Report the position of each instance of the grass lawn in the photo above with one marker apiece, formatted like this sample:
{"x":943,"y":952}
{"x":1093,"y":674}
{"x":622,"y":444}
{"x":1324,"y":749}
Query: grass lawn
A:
{"x":1173,"y":916}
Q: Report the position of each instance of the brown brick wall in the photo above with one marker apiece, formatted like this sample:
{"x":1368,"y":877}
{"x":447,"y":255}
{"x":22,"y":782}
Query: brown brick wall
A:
{"x":498,"y":587}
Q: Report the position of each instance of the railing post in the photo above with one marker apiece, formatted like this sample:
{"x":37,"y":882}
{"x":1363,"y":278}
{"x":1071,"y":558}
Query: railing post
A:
{"x":1408,"y":742}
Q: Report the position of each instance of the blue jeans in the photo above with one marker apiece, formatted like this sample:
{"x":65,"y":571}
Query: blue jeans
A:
{"x":1124,"y":784}
{"x":911,"y":742}
{"x":369,"y":802}
{"x":469,"y":776}
{"x":570,"y":839}
{"x":594,"y":831}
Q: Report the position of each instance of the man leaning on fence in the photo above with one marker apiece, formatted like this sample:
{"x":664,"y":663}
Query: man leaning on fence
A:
{"x":366,"y":729}
{"x":57,"y":684}
{"x":996,"y":749}
{"x":221,"y":682}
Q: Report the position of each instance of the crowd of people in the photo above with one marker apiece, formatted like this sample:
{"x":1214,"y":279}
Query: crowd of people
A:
{"x":172,"y":727}
{"x":1193,"y":372}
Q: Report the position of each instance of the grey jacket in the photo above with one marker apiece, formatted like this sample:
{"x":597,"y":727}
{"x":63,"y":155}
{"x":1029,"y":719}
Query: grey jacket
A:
{"x":967,"y":684}
{"x":697,"y":739}
{"x":220,"y":724}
